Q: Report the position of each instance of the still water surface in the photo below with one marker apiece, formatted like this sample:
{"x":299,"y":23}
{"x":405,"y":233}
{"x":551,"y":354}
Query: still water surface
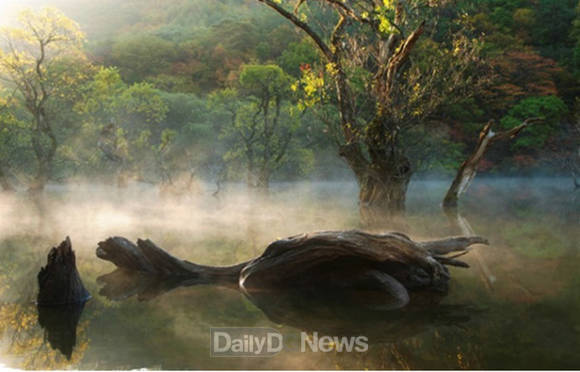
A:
{"x":518,"y":306}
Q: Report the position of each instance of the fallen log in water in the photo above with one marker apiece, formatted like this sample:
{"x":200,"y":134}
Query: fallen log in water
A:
{"x":351,"y":260}
{"x":59,"y":281}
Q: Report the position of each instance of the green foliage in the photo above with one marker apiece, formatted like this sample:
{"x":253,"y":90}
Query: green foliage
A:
{"x":184,"y":81}
{"x":124,"y":119}
{"x":296,"y":55}
{"x":139,"y":57}
{"x":15,"y":140}
{"x":141,"y":102}
{"x":575,"y":36}
{"x":550,"y":108}
{"x":262,"y":125}
{"x":264,"y":80}
{"x":433,"y":151}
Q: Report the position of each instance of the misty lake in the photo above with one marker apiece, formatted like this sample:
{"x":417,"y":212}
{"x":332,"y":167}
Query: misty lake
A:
{"x":517,"y":307}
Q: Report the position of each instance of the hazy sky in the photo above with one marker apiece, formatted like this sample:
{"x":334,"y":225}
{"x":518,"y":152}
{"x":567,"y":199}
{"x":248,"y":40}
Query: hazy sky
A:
{"x":9,"y":8}
{"x":92,"y":15}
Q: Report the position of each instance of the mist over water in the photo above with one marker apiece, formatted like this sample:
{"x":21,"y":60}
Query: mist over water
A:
{"x":516,"y":307}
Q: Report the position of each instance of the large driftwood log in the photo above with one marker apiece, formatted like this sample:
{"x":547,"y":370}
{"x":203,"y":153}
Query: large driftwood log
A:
{"x":468,"y":168}
{"x":59,"y":281}
{"x":349,"y":260}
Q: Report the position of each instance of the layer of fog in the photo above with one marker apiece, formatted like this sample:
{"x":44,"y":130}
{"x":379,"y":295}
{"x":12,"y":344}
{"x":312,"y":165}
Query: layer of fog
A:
{"x":90,"y":213}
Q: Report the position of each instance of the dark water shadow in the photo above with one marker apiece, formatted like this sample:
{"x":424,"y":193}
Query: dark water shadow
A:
{"x":60,"y":325}
{"x":344,"y":313}
{"x":353,"y":313}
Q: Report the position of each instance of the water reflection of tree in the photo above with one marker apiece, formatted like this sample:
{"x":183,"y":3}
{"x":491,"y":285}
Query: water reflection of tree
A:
{"x":460,"y":226}
{"x":27,"y":340}
{"x":328,"y":313}
{"x":27,"y":343}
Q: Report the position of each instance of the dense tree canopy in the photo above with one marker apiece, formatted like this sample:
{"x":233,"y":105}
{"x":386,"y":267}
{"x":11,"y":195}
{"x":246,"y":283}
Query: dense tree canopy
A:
{"x":154,"y":96}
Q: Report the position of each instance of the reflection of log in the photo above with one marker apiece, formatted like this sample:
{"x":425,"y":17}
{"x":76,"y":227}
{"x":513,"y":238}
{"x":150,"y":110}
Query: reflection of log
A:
{"x":468,"y":169}
{"x":60,"y":325}
{"x":391,"y":263}
{"x":344,"y":312}
{"x":121,"y":284}
{"x":350,"y":314}
{"x":59,"y":281}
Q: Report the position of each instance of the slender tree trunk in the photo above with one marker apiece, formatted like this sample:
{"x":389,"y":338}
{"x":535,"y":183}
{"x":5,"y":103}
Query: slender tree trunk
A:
{"x":468,"y":168}
{"x":44,"y":152}
{"x":4,"y":181}
{"x":41,"y":178}
{"x":263,"y":180}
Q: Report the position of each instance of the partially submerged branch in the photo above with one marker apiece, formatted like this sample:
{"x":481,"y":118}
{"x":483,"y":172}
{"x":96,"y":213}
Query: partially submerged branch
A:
{"x":148,"y":258}
{"x":468,"y":168}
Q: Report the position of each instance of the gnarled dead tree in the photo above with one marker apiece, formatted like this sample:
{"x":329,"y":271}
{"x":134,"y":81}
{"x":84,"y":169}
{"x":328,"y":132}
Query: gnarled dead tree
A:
{"x":391,"y":263}
{"x":468,"y":168}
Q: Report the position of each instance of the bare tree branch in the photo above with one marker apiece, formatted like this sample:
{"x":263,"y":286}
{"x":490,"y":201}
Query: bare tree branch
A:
{"x":468,"y":169}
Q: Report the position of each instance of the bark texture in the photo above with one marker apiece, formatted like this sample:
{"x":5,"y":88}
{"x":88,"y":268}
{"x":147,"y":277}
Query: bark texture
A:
{"x":371,"y":149}
{"x":354,"y":260}
{"x":468,"y":168}
{"x":382,"y":183}
{"x":59,"y":281}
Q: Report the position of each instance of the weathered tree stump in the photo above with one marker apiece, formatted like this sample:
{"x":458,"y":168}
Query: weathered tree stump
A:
{"x":391,"y":263}
{"x":59,"y":281}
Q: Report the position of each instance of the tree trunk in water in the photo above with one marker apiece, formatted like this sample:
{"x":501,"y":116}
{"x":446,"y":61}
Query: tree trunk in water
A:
{"x":382,"y":185}
{"x":5,"y":182}
{"x":59,"y":281}
{"x":383,"y":192}
{"x":41,"y":178}
{"x":44,"y":152}
{"x":468,"y":169}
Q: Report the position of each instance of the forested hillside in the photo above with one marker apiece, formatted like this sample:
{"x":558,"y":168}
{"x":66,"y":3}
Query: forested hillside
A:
{"x":168,"y":91}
